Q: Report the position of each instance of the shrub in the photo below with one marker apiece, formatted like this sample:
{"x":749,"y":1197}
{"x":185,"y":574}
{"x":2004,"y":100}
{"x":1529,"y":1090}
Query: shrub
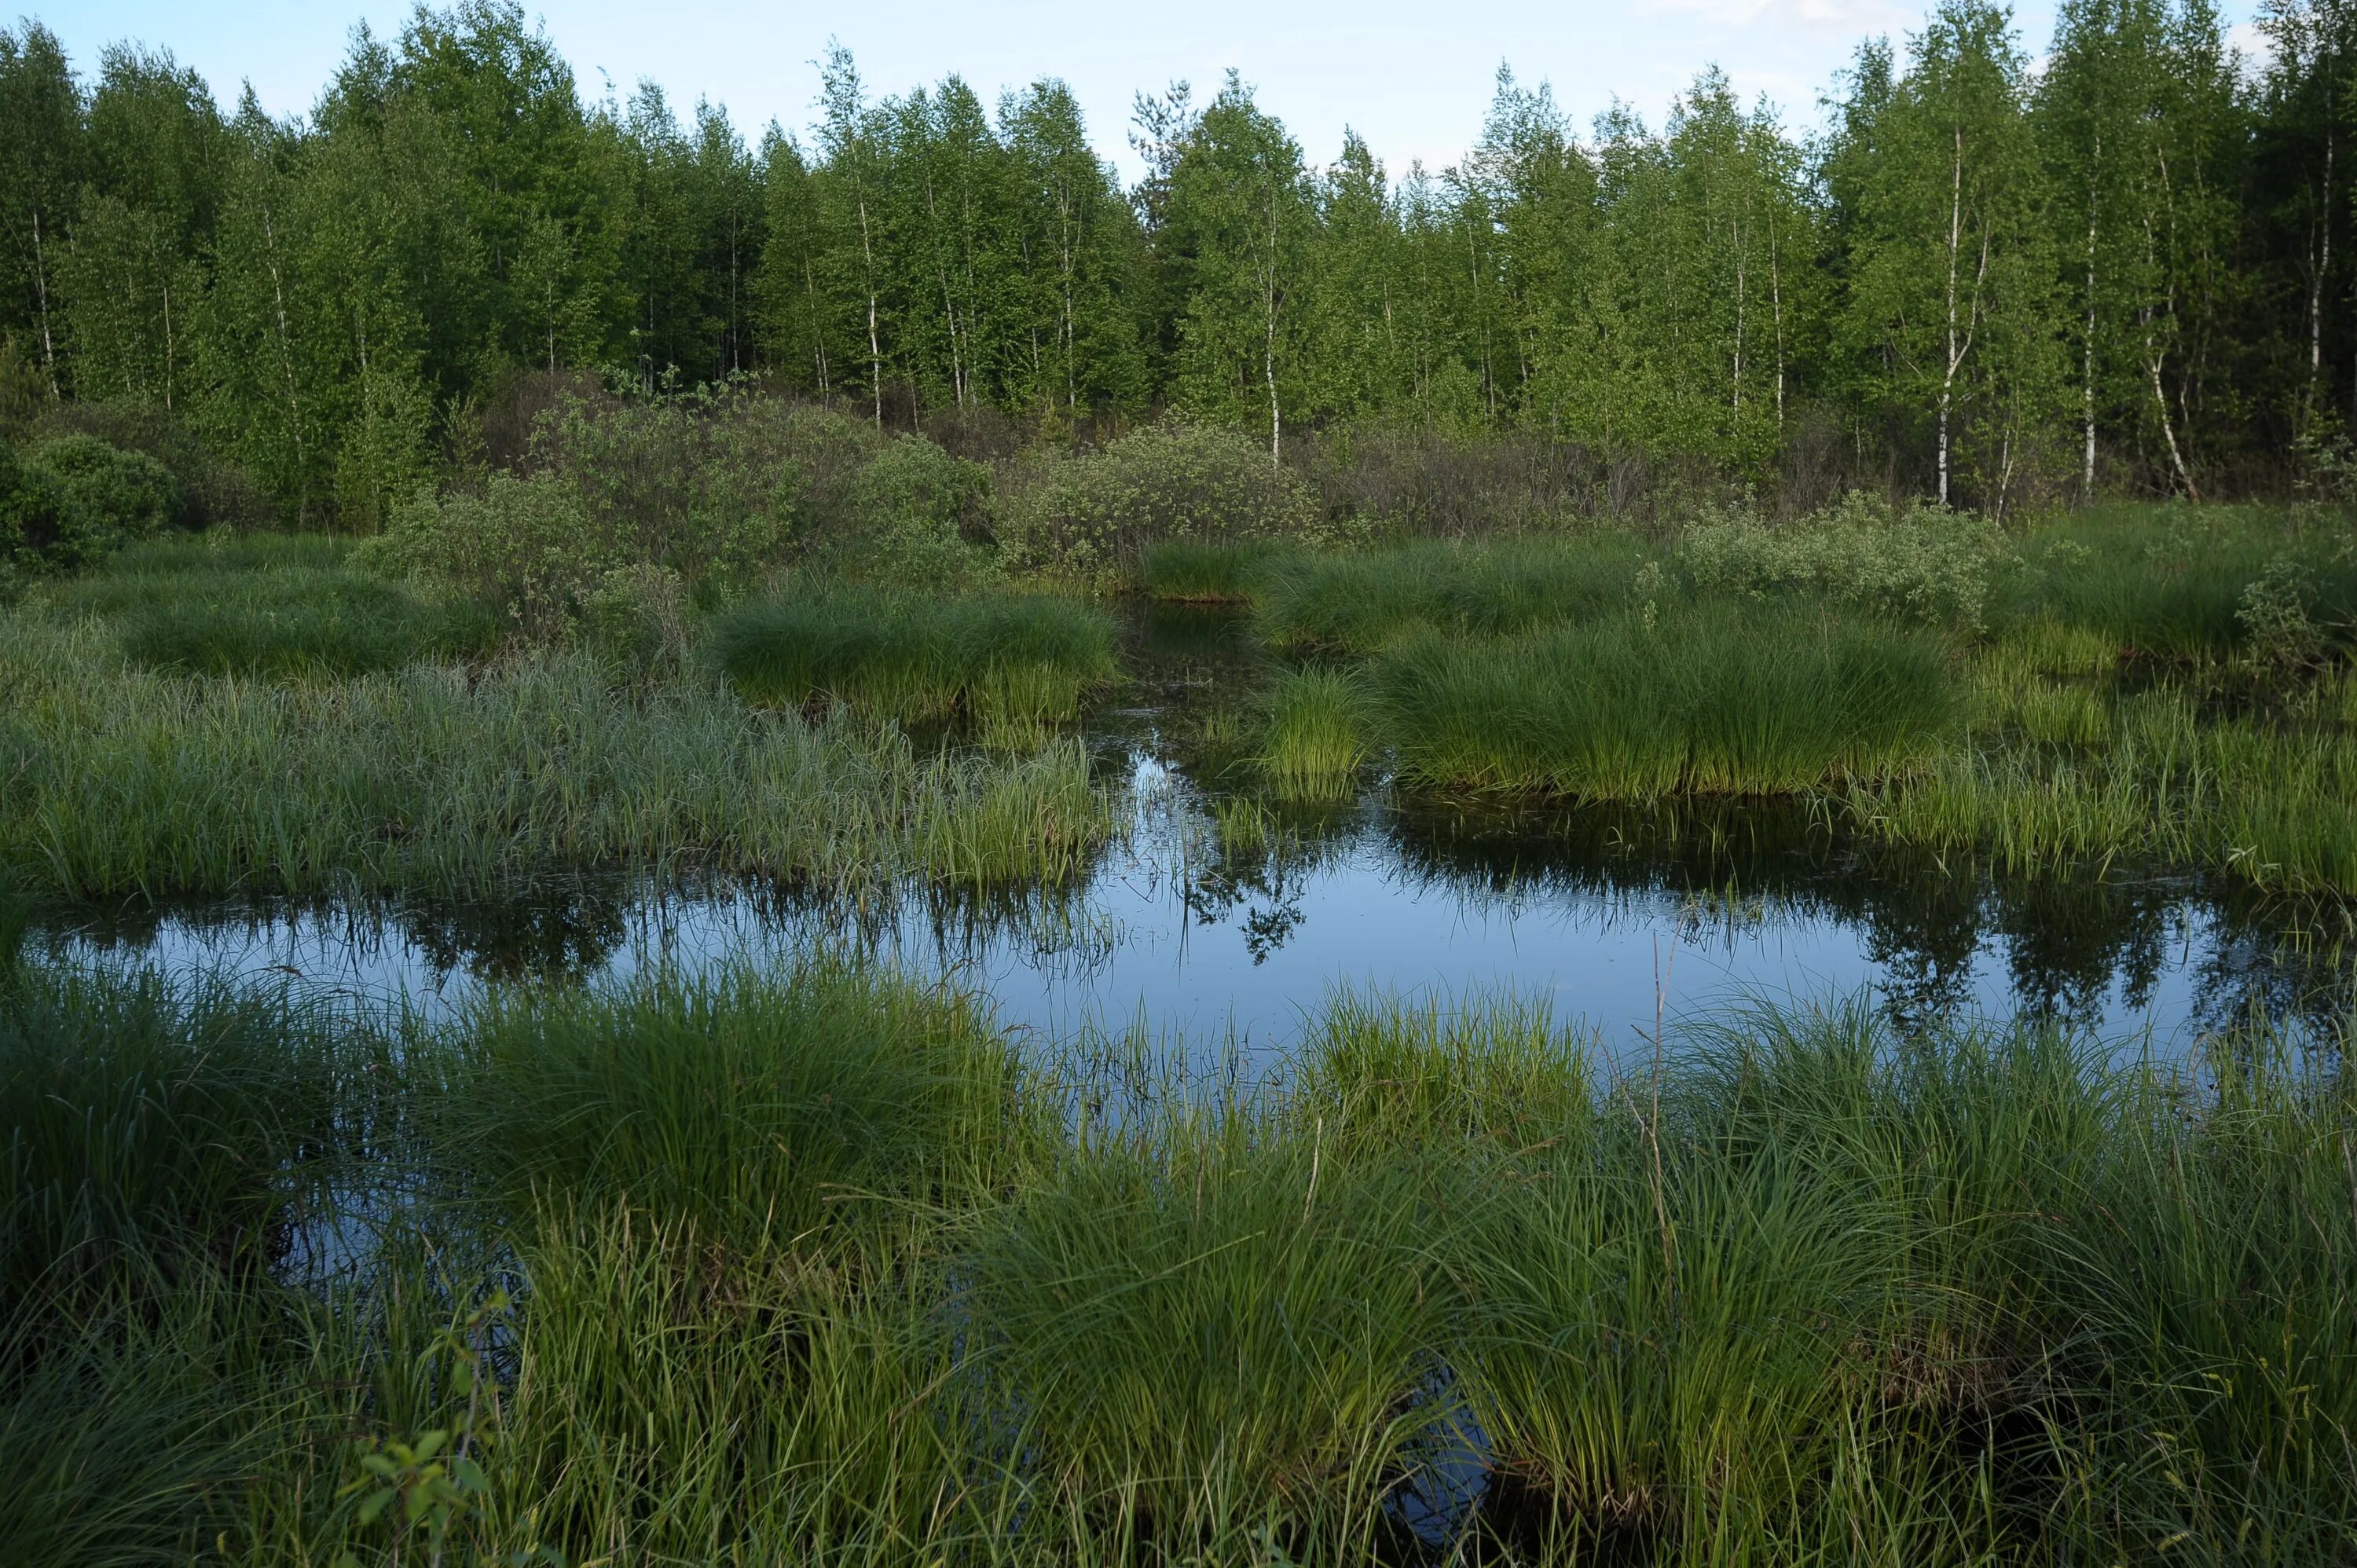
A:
{"x":214,"y":490}
{"x":915,"y":512}
{"x":716,"y":485}
{"x":1919,"y":564}
{"x":1095,"y":514}
{"x":120,"y":496}
{"x":524,"y":545}
{"x":36,"y":521}
{"x":637,"y":616}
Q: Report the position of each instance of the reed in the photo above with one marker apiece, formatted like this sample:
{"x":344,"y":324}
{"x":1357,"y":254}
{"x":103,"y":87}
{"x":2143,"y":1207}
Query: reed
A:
{"x":991,"y":657}
{"x":769,"y":1114}
{"x":150,"y":1130}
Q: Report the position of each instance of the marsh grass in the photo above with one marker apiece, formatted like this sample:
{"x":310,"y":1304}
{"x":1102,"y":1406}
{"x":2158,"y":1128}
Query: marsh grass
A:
{"x":1727,"y":701}
{"x":125,"y":781}
{"x":773,"y":1116}
{"x":296,"y":623}
{"x":154,"y":1130}
{"x":1961,"y":1294}
{"x":986,"y":657}
{"x":2157,"y":781}
{"x":1211,"y":571}
{"x":1314,"y":735}
{"x":1354,"y":603}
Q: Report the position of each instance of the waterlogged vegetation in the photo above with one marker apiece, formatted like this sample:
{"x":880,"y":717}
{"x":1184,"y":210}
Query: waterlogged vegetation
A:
{"x":640,"y":1278}
{"x":718,"y":613}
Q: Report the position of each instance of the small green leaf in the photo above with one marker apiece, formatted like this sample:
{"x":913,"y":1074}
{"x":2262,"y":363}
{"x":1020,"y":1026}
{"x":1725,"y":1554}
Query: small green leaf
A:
{"x":372,"y":1506}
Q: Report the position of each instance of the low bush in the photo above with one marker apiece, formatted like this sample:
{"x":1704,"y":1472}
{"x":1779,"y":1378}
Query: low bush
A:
{"x":916,"y":517}
{"x":912,"y":658}
{"x":1919,"y":564}
{"x":1095,"y":514}
{"x":122,"y":496}
{"x":524,"y":545}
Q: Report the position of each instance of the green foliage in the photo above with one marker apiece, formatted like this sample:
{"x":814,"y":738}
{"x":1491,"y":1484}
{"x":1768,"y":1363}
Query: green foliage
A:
{"x":1919,"y":563}
{"x":988,"y":656}
{"x":915,"y":515}
{"x":524,"y":545}
{"x":1712,"y":700}
{"x":1097,"y":513}
{"x":120,"y":497}
{"x":39,"y":524}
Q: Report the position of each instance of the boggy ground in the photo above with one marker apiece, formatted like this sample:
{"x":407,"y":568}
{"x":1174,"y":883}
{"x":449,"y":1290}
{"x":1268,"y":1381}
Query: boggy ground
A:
{"x":815,"y":1266}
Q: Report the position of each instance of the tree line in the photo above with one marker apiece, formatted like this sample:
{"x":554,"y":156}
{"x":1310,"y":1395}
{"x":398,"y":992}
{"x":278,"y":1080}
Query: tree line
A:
{"x":2127,"y":270}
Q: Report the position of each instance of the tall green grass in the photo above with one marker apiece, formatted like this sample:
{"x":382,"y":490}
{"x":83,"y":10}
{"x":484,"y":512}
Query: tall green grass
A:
{"x":772,"y":1117}
{"x":123,"y":781}
{"x":152,"y":1128}
{"x":1211,"y":571}
{"x":2157,"y":780}
{"x":296,"y":623}
{"x":1314,"y":735}
{"x":1720,"y":699}
{"x":1353,"y":603}
{"x":988,"y":657}
{"x":1810,"y":1286}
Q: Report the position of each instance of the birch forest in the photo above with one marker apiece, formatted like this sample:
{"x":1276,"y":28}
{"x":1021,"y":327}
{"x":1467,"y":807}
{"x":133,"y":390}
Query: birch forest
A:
{"x":1979,"y":274}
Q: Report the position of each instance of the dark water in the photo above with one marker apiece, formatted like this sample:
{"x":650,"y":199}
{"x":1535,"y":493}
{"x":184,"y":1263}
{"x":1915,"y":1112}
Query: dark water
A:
{"x":1198,"y":934}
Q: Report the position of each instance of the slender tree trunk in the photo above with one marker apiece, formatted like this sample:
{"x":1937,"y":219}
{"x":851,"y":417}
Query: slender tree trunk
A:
{"x":2087,"y":366}
{"x":874,"y":343}
{"x":2323,"y":262}
{"x":1955,"y":243}
{"x":1776,"y":302}
{"x":1268,"y":341}
{"x":286,"y":359}
{"x":41,"y":295}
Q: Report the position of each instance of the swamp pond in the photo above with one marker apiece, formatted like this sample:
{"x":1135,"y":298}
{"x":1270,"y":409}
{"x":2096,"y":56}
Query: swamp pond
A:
{"x":1222,"y":922}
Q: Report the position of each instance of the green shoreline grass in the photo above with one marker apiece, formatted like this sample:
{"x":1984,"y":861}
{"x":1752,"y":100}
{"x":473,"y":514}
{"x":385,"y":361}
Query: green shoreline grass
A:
{"x":115,"y":780}
{"x":817,"y":1265}
{"x":992,"y":657}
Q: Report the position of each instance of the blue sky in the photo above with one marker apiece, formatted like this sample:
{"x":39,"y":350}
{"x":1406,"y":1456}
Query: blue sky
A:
{"x":1411,"y":78}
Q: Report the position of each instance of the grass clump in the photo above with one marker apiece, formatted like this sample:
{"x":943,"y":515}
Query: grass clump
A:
{"x":290,"y":623}
{"x":1210,"y":571}
{"x":1722,"y":700}
{"x":151,"y":1131}
{"x":1002,"y":657}
{"x":1214,"y":1336}
{"x":1358,"y":602}
{"x":1314,"y":735}
{"x":771,"y":1114}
